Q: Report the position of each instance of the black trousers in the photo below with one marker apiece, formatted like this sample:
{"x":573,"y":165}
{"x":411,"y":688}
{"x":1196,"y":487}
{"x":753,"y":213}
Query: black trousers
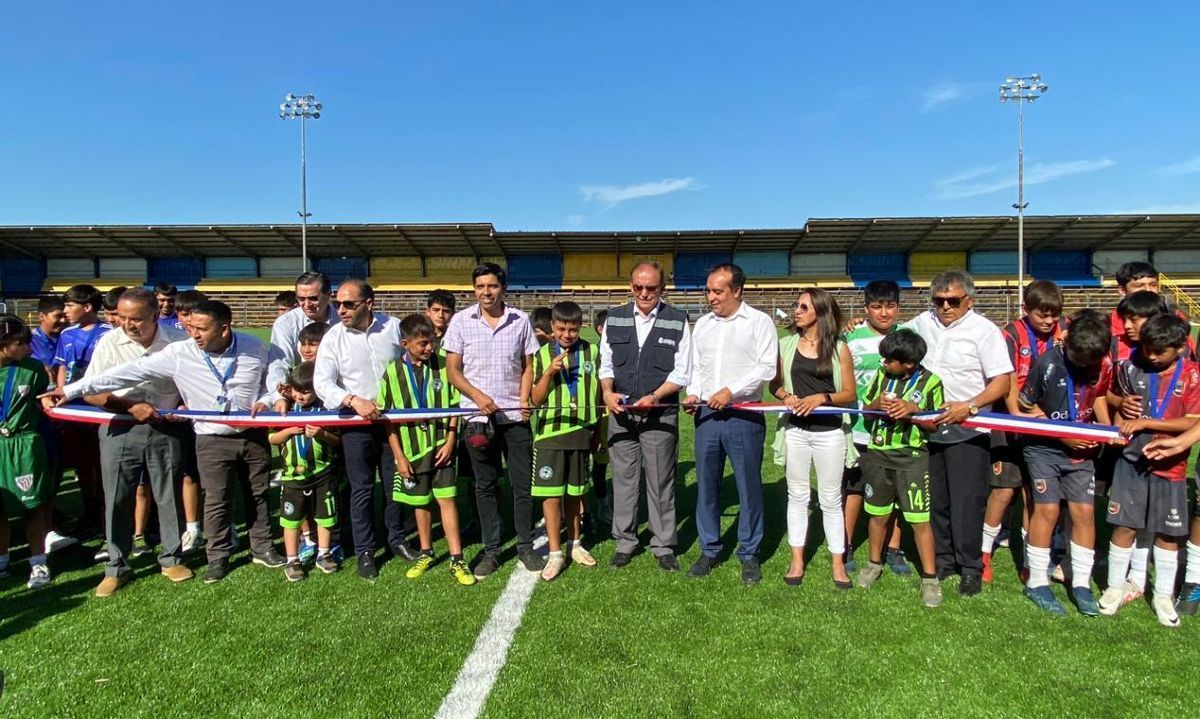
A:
{"x":366,"y":453}
{"x":958,"y":489}
{"x":512,"y":443}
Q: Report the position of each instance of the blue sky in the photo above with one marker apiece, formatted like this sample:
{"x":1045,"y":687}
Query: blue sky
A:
{"x":539,"y":115}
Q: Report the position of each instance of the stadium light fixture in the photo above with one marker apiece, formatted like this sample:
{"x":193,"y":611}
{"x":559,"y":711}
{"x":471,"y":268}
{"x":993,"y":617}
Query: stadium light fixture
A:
{"x":1021,"y":90}
{"x":304,"y":108}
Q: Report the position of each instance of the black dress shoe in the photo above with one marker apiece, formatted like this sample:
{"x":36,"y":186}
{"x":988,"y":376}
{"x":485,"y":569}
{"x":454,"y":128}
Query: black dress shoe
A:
{"x":405,"y":552}
{"x":622,"y":559}
{"x":970,"y":585}
{"x":703,"y":566}
{"x":531,"y":559}
{"x":217,"y":570}
{"x":366,"y":566}
{"x":270,"y":558}
{"x":666,"y":562}
{"x":751,"y":571}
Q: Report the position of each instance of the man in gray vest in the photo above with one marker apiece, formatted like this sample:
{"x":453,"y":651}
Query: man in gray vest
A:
{"x":645,"y":359}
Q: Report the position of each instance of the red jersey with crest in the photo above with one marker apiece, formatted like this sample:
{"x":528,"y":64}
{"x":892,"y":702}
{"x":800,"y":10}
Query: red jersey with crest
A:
{"x":1132,"y":377}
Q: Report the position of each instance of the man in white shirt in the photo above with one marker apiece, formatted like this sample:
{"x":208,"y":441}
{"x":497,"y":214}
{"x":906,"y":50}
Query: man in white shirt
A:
{"x":645,"y":359}
{"x":967,"y":351}
{"x":219,"y":371}
{"x":734,"y":352}
{"x":152,"y":448}
{"x":352,"y":358}
{"x":312,"y":298}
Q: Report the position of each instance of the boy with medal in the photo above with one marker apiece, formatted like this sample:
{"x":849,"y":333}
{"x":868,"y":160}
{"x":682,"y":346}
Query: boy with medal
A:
{"x":567,"y":391}
{"x":424,"y":450}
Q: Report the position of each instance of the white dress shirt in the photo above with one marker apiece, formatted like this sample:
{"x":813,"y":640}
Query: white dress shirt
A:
{"x":351,"y":362}
{"x":680,"y":374}
{"x":184,"y":363}
{"x":116,"y":348}
{"x":284,"y":352}
{"x":738,"y":352}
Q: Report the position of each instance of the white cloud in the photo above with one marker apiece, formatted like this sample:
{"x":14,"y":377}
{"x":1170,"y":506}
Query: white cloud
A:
{"x":938,"y":96}
{"x":974,"y":182}
{"x":613,"y":194}
{"x":575,"y":220}
{"x":1187,"y":167}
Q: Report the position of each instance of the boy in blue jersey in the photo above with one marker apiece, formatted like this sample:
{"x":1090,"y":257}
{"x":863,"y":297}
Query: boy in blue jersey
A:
{"x":51,"y":322}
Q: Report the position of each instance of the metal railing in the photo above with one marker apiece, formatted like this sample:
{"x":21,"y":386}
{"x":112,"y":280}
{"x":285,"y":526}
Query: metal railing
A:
{"x":1182,"y":298}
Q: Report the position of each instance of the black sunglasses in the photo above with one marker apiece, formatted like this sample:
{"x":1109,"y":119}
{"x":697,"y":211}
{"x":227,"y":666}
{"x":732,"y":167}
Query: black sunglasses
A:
{"x":348,"y":305}
{"x":952,"y":301}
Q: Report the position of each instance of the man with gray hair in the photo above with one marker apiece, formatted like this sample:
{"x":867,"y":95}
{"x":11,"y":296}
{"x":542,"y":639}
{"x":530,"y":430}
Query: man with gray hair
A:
{"x":967,"y":351}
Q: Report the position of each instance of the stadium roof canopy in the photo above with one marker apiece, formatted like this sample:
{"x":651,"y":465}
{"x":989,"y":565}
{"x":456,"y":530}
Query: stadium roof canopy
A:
{"x":861,"y":235}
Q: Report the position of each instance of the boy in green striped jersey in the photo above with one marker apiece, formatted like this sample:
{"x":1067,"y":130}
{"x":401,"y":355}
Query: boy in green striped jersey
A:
{"x":896,"y":463}
{"x":424,"y":451}
{"x":309,"y":479}
{"x":567,"y":388}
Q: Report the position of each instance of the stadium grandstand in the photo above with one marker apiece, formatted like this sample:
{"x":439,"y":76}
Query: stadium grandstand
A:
{"x":245,"y":265}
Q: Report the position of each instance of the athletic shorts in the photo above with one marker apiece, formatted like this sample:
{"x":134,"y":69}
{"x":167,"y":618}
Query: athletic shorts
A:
{"x":80,"y":445}
{"x":25,"y":478}
{"x":1196,"y":493}
{"x":897,"y":477}
{"x":1053,"y":477}
{"x":314,"y":498}
{"x":852,"y":477}
{"x":426,"y":486}
{"x":1140,"y":500}
{"x":560,"y":471}
{"x":1006,"y":462}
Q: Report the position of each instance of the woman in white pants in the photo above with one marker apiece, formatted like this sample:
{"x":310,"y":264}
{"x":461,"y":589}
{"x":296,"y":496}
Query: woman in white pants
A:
{"x":814,"y":370}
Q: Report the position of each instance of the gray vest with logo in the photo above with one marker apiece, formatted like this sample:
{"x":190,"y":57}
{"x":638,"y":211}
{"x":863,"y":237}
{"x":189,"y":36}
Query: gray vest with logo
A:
{"x":639,"y":371}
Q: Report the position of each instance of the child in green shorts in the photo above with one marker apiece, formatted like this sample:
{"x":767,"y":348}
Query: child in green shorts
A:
{"x":424,"y":451}
{"x":567,"y":387}
{"x":25,"y":484}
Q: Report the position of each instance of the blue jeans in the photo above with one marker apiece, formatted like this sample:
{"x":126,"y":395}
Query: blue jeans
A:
{"x":738,"y":436}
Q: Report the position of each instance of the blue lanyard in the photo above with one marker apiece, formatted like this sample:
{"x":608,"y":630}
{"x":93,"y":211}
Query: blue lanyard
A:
{"x":912,"y":382}
{"x":1072,"y":400}
{"x":303,"y":441}
{"x":8,"y":389}
{"x":571,"y":375}
{"x":418,"y":388}
{"x":1034,"y":350}
{"x":1155,"y":404}
{"x":223,"y":398}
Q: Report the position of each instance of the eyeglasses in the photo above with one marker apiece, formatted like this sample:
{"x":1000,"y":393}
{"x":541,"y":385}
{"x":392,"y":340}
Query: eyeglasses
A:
{"x":951,"y":301}
{"x":802,"y":307}
{"x":643,"y":288}
{"x":309,"y":300}
{"x":348,"y":305}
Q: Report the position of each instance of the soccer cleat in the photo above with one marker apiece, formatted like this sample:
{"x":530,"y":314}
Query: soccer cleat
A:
{"x":897,"y":562}
{"x":987,"y":568}
{"x":294,"y":571}
{"x":869,"y":574}
{"x":1085,"y":601}
{"x":420,"y":566}
{"x":486,"y":566}
{"x":1111,"y":600}
{"x":191,"y":541}
{"x":555,"y":563}
{"x":56,"y":541}
{"x":339,"y":554}
{"x":140,"y":548}
{"x":1045,"y":600}
{"x":931,"y":592}
{"x":1132,"y":592}
{"x":39,"y":577}
{"x":1164,"y":609}
{"x":1189,"y":599}
{"x":327,"y":564}
{"x":308,"y":550}
{"x":579,"y":555}
{"x":461,"y":573}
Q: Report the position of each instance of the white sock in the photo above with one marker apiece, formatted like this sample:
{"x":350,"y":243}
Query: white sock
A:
{"x":1193,"y":564}
{"x":193,"y":527}
{"x":291,"y":559}
{"x":989,"y":537}
{"x":1082,"y":559}
{"x":1166,"y":565}
{"x":1141,"y":558}
{"x":1118,"y":565}
{"x":323,"y":551}
{"x":1039,"y":566}
{"x":35,"y":559}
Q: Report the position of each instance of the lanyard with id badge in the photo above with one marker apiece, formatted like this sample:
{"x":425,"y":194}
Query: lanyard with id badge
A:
{"x":7,"y":408}
{"x":223,"y":399}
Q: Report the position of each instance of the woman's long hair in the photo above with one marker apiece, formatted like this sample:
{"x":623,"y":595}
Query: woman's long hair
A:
{"x":829,"y":327}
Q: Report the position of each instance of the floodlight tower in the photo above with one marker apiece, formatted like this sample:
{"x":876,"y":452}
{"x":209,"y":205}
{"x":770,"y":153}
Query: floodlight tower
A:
{"x":304,"y":107}
{"x":1021,"y":90}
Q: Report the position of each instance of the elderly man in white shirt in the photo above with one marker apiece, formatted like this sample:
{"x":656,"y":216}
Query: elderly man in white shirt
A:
{"x":967,"y":351}
{"x":313,"y":305}
{"x":221,"y":371}
{"x":152,"y":448}
{"x":734,"y":351}
{"x":352,"y":358}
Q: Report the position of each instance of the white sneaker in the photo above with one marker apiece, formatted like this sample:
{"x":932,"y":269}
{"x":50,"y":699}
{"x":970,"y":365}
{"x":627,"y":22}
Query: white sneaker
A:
{"x":1111,"y":600}
{"x":555,"y":563}
{"x":140,"y":548}
{"x":190,"y":542}
{"x":39,"y":577}
{"x":579,"y":555}
{"x":56,"y":541}
{"x":1132,"y":592}
{"x":101,"y":554}
{"x":1164,"y":609}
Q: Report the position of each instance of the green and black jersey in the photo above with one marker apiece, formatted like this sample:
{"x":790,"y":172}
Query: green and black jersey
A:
{"x":305,"y":458}
{"x":574,"y":394}
{"x":427,"y":386}
{"x":22,"y":382}
{"x":923,"y":388}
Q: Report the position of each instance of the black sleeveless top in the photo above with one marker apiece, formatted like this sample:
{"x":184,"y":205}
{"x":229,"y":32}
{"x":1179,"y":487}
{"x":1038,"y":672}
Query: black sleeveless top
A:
{"x":806,"y":381}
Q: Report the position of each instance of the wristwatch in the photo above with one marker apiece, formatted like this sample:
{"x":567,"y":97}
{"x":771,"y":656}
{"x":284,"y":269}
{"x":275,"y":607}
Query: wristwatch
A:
{"x":973,"y":409}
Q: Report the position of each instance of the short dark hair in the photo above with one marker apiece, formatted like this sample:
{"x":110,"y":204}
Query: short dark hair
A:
{"x":140,"y":295}
{"x":416,"y":325}
{"x":84,"y":295}
{"x":600,"y":319}
{"x":166,"y":288}
{"x":216,"y":309}
{"x":737,"y":278}
{"x":187,"y":300}
{"x":48,"y":304}
{"x":540,"y":317}
{"x":301,"y":377}
{"x":1043,"y":296}
{"x":312,"y":333}
{"x":881,"y":291}
{"x":445,"y":298}
{"x":1131,"y":271}
{"x":287,"y":298}
{"x":1162,"y":332}
{"x":112,"y":297}
{"x":490,"y":268}
{"x":13,"y":330}
{"x":903,"y":346}
{"x":1087,"y":344}
{"x":312,"y":278}
{"x":365,"y":290}
{"x":567,"y":312}
{"x":1142,"y":304}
